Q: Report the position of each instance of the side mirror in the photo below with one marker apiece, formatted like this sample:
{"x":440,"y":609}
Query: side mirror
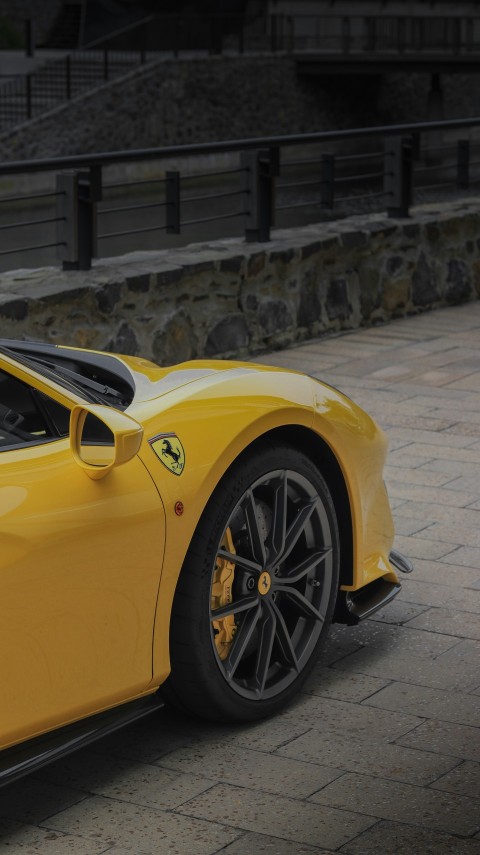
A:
{"x":102,"y":438}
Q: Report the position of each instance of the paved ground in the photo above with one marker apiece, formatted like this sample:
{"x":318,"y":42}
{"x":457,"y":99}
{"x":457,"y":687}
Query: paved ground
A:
{"x":381,"y":753}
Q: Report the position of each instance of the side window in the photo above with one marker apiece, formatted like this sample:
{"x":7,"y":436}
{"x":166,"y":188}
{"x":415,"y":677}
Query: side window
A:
{"x":27,"y":416}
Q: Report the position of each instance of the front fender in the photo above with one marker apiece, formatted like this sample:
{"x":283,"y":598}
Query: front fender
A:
{"x":219,"y":417}
{"x":215,"y":420}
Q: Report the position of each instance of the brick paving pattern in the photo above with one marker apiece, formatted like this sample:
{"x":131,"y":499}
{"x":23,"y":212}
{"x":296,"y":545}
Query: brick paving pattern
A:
{"x":381,"y":753}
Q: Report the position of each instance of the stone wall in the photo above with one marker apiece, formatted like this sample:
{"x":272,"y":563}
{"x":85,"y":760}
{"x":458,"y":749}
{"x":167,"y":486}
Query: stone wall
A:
{"x":174,"y":102}
{"x":228,"y":298}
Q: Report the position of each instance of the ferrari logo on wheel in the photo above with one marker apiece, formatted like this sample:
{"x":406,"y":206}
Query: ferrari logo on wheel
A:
{"x":264,"y":582}
{"x":170,"y":451}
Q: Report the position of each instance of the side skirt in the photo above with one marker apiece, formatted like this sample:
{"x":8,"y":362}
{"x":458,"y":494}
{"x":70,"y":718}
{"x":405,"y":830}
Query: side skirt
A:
{"x":29,"y":756}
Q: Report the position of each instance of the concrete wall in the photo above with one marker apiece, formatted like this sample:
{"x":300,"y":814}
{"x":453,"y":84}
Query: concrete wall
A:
{"x":228,"y":298}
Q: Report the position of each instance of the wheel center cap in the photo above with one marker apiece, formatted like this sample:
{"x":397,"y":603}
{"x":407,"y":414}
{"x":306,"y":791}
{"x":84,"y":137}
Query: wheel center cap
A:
{"x":264,"y":582}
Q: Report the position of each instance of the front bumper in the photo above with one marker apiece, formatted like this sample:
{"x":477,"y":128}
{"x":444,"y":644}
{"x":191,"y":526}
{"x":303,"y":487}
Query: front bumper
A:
{"x":361,"y":604}
{"x":400,"y":561}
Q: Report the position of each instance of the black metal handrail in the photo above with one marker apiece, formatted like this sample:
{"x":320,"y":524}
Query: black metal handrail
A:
{"x":107,"y":158}
{"x":401,"y":33}
{"x":329,"y":174}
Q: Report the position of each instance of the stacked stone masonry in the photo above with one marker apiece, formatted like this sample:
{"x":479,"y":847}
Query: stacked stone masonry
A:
{"x":194,"y":100}
{"x":229,"y":299}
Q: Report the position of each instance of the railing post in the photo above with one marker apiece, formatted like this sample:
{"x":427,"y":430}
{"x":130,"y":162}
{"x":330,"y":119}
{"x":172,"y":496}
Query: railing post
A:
{"x":68,"y":77}
{"x":290,"y":33}
{"x":143,"y":44}
{"x":261,"y":167}
{"x":89,"y":193}
{"x":67,"y":212}
{"x":241,"y":36}
{"x":327,"y":193}
{"x":29,"y":37}
{"x":176,"y":36}
{"x":421,"y":30}
{"x":346,"y":34}
{"x":416,"y":145}
{"x":105,"y":63}
{"x":370,"y":34}
{"x":398,"y":175}
{"x":457,"y":34}
{"x":401,"y":34}
{"x":172,"y":193}
{"x":28,"y":95}
{"x":216,"y":35}
{"x":76,"y":209}
{"x":463,"y":164}
{"x":273,"y":33}
{"x":469,"y":33}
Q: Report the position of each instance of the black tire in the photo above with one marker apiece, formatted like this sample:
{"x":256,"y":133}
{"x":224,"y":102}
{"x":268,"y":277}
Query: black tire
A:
{"x":257,"y":589}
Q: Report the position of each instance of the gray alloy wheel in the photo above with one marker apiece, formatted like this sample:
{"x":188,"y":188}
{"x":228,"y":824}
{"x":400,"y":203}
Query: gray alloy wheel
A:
{"x":257,"y":590}
{"x":276,"y":557}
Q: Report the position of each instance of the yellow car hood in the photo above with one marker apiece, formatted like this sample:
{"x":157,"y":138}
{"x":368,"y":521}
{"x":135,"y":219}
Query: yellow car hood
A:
{"x":151,"y":381}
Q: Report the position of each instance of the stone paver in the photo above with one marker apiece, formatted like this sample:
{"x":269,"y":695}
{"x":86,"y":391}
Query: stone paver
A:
{"x":263,"y":844}
{"x":394,"y":838}
{"x":434,"y":704}
{"x":368,"y":756}
{"x":380,"y":754}
{"x":26,"y":839}
{"x":437,"y":673}
{"x":442,"y":620}
{"x":114,"y":821}
{"x":139,"y":783}
{"x":403,"y":802}
{"x":251,"y":769}
{"x":329,"y":683}
{"x":289,"y":819}
{"x":440,"y":737}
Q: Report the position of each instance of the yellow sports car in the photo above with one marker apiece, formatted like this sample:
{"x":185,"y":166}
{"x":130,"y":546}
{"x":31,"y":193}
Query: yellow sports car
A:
{"x":193,"y":528}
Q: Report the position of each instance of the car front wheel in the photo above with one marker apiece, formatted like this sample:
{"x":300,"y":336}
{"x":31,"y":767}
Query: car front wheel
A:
{"x":257,"y":590}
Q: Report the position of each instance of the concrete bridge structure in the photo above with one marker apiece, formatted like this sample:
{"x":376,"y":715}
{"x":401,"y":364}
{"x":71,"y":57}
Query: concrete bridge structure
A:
{"x":324,"y":38}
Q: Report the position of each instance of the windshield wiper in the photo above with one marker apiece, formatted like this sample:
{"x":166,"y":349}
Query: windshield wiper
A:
{"x":100,"y":388}
{"x":53,"y":373}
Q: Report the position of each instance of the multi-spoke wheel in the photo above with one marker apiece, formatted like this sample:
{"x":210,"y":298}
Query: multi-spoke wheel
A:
{"x":257,"y":590}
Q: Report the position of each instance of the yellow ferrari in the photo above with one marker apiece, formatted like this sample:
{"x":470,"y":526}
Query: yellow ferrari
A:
{"x":186,"y":533}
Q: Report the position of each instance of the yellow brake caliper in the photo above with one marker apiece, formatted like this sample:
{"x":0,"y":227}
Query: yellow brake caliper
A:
{"x":223,"y":576}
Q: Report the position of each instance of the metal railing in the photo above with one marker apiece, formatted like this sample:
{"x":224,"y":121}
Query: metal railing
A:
{"x":382,"y":33}
{"x":73,"y":73}
{"x":93,"y":205}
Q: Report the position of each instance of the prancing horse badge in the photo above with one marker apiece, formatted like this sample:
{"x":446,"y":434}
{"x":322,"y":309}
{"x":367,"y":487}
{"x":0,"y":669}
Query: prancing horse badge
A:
{"x":170,"y":451}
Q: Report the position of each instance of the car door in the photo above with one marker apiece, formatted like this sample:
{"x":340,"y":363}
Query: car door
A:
{"x":80,"y":564}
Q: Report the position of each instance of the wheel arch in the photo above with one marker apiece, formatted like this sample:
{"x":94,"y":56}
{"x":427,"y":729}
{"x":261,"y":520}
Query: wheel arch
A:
{"x":322,"y":455}
{"x":298,"y":436}
{"x":290,"y":439}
